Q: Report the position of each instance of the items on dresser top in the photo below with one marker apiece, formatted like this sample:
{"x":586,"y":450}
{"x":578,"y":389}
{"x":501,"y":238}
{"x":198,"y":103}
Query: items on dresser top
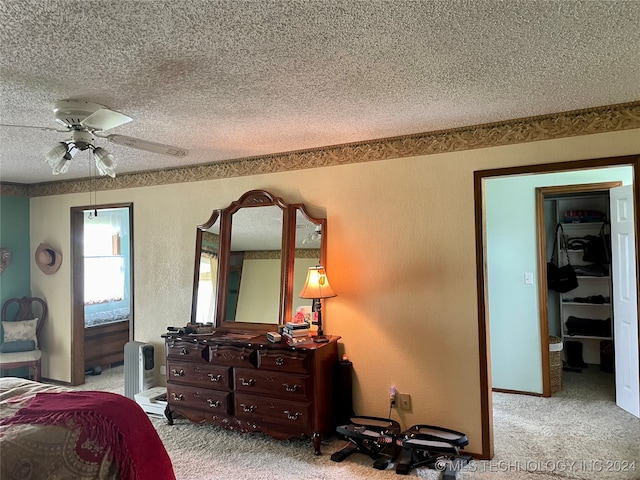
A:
{"x":296,"y":331}
{"x":274,"y":337}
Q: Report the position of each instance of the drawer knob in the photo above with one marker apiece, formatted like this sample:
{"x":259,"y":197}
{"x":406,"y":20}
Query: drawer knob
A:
{"x":177,"y":373}
{"x":292,"y":416}
{"x":291,"y":388}
{"x":178,"y":397}
{"x":215,"y":378}
{"x":248,"y":408}
{"x":280,"y":361}
{"x":247,"y":383}
{"x":213,"y":404}
{"x":184,"y":351}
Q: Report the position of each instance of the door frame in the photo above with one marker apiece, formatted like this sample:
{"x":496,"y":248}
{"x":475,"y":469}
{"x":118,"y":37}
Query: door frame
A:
{"x":77,"y":284}
{"x":486,"y":404}
{"x":541,"y":242}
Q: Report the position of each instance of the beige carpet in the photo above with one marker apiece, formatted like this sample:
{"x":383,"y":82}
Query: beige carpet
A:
{"x":577,"y":434}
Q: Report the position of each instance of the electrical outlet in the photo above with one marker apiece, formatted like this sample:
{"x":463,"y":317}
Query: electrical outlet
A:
{"x":163,"y":369}
{"x":405,"y":401}
{"x":392,"y":396}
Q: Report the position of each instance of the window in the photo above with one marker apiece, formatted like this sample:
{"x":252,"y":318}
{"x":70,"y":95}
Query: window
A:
{"x":207,"y":288}
{"x":104,"y":268}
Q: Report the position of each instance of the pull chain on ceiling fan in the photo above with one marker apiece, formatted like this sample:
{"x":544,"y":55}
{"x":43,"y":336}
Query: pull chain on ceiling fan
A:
{"x":86,"y":121}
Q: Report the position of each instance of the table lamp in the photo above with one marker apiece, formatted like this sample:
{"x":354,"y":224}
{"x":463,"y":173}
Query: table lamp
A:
{"x":317,"y":287}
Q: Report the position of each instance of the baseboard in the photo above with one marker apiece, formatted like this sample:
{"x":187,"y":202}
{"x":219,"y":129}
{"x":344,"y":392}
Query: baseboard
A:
{"x":516,"y":392}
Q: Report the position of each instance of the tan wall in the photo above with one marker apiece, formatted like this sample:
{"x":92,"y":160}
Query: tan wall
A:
{"x":401,"y":257}
{"x":259,"y":299}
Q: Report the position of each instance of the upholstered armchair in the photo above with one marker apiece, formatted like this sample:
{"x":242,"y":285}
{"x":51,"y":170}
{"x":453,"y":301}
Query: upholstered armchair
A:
{"x":22,"y":321}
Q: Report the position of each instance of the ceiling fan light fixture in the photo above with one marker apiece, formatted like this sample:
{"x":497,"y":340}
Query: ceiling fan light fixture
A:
{"x":60,"y":156}
{"x":59,"y":159}
{"x":62,"y":166}
{"x":314,"y":236}
{"x":56,"y":154}
{"x":105,"y":162}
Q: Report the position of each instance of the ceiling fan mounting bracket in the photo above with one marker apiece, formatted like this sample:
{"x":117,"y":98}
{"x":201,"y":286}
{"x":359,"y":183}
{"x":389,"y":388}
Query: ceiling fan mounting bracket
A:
{"x":83,"y":139}
{"x":70,"y":113}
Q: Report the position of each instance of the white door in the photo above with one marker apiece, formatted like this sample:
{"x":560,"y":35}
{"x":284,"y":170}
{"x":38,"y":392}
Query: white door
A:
{"x":625,"y":299}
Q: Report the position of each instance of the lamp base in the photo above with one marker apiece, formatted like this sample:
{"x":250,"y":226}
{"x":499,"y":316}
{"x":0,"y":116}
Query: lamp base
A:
{"x":320,"y":339}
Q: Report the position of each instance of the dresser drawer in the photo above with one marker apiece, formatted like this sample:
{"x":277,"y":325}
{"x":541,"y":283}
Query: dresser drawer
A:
{"x":188,"y":351}
{"x":232,"y":356}
{"x":277,"y":384}
{"x":284,"y":361}
{"x":198,"y":398}
{"x":280,"y":412}
{"x":196,"y":374}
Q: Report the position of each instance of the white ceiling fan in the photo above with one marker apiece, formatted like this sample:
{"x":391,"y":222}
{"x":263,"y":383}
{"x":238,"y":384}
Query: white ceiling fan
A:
{"x":86,"y":121}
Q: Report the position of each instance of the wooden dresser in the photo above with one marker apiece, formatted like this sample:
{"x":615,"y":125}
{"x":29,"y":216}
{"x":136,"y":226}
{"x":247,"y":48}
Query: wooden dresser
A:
{"x":242,"y":382}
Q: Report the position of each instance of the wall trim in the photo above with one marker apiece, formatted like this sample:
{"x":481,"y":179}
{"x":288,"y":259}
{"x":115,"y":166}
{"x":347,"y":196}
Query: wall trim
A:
{"x":516,"y":392}
{"x":589,"y":121}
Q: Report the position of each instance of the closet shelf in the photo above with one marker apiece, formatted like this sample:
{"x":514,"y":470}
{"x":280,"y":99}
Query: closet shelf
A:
{"x":581,"y":224}
{"x":585,"y":304}
{"x":585,"y":337}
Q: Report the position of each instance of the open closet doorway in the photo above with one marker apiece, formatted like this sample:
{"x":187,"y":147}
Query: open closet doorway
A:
{"x":580,"y":319}
{"x":510,"y":276}
{"x":102,"y":287}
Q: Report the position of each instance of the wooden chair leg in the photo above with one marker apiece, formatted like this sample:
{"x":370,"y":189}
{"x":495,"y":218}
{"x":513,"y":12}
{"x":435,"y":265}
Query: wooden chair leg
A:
{"x":36,"y":372}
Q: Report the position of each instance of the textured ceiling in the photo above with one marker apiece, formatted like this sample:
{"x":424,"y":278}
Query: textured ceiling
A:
{"x":233,"y":79}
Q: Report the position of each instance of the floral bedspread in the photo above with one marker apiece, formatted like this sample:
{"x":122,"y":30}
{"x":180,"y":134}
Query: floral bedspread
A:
{"x":42,"y":451}
{"x":49,"y":432}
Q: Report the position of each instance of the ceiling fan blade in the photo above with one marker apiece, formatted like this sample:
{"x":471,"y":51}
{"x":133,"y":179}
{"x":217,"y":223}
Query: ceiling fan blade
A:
{"x":104,"y":119}
{"x":33,"y":126}
{"x":146,"y":145}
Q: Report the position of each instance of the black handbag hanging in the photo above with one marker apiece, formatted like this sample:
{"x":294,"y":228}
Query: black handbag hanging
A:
{"x":560,"y":279}
{"x":597,"y":248}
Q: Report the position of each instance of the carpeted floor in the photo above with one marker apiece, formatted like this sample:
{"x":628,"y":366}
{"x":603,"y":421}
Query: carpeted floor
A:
{"x":576,"y":434}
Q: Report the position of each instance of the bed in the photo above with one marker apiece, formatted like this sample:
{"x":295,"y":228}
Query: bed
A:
{"x":49,"y":431}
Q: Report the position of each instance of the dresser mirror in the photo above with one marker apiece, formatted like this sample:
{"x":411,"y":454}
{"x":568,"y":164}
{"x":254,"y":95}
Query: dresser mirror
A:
{"x":308,"y":248}
{"x":252,"y":259}
{"x":205,"y":281}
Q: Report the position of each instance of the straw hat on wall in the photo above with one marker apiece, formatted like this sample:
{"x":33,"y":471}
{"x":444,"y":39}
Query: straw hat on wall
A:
{"x":48,"y":258}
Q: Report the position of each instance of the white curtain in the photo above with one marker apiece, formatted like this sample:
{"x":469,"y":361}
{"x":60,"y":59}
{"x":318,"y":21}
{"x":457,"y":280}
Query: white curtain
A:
{"x":104,"y":267}
{"x":207,"y":288}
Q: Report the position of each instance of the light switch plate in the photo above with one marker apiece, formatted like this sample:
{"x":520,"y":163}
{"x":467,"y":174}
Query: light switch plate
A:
{"x":404,"y":399}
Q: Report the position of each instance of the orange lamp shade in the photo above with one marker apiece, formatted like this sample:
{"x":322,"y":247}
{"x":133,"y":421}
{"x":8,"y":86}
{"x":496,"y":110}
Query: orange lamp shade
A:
{"x":317,"y":284}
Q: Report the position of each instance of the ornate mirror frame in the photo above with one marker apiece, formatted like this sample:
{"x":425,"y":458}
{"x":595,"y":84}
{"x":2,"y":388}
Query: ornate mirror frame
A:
{"x":298,"y":226}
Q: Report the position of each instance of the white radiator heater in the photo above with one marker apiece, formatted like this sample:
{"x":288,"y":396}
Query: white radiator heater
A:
{"x":138,"y":368}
